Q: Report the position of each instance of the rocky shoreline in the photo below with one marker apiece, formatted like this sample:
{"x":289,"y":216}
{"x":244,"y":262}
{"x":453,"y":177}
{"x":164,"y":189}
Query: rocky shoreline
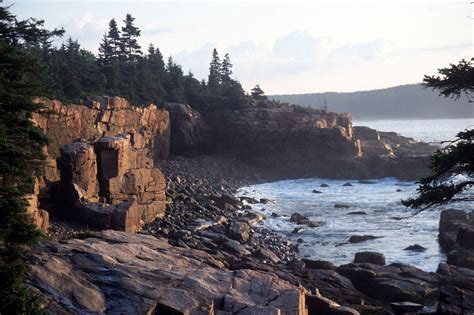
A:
{"x":204,"y":218}
{"x":171,"y":174}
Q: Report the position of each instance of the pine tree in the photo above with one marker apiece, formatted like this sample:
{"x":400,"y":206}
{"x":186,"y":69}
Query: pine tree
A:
{"x":21,"y":143}
{"x":226,"y":68}
{"x":156,"y":65}
{"x":174,"y":82}
{"x":130,"y":48}
{"x":457,"y":157}
{"x":196,"y":92}
{"x":214,"y":80}
{"x":257,"y":93}
{"x":114,"y":39}
{"x":106,"y":52}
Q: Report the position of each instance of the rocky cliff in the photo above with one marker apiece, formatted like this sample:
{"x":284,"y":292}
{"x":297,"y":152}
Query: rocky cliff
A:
{"x":291,"y":142}
{"x":289,"y":133}
{"x":101,"y":161}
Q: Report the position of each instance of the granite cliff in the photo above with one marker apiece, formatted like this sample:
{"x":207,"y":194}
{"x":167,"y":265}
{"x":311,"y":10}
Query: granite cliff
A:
{"x":102,"y":165}
{"x":113,"y":166}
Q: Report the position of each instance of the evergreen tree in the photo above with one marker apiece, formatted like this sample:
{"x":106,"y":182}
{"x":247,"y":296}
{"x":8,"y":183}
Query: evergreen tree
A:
{"x":173,"y":83}
{"x":114,"y":39}
{"x":156,"y":66}
{"x":257,"y":93}
{"x":214,"y":80}
{"x":226,"y":68}
{"x":457,"y":157}
{"x":21,"y":143}
{"x":196,"y":92}
{"x":77,"y":71}
{"x":130,"y":48}
{"x":106,"y":52}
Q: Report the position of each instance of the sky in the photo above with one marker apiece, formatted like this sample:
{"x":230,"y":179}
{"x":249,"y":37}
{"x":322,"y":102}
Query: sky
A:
{"x":286,"y":47}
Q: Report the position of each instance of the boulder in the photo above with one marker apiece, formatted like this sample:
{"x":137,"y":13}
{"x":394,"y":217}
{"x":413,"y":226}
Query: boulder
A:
{"x":370,"y":257}
{"x":362,"y":238}
{"x":319,"y":305}
{"x":341,"y":206}
{"x":456,"y":292}
{"x":225,"y":201}
{"x":415,"y":248}
{"x":298,"y":218}
{"x":450,"y":222}
{"x":239,"y":231}
{"x":253,"y":218}
{"x":357,"y":213}
{"x":122,"y":217}
{"x":392,"y":283}
{"x":318,"y":264}
{"x":267,"y":255}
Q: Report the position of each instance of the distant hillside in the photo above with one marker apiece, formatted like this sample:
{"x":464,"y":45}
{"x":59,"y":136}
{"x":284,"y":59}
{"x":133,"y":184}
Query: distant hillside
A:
{"x":404,"y":101}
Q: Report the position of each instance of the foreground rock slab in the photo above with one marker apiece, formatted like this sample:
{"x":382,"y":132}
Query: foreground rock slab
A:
{"x":121,"y":273}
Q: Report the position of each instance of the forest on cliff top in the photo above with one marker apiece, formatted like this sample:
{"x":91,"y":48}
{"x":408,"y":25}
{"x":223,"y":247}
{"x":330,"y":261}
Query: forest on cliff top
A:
{"x":123,"y":68}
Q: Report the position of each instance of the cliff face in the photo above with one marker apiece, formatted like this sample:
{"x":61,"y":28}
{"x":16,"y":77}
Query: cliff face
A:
{"x":101,"y":162}
{"x":104,"y":116}
{"x":282,"y":136}
{"x":101,"y":166}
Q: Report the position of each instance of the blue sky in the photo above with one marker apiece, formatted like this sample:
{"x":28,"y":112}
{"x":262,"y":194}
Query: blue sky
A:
{"x":286,"y":47}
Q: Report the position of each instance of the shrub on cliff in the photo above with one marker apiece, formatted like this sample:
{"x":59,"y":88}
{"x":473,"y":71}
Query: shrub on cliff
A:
{"x":453,"y":165}
{"x":21,"y":146}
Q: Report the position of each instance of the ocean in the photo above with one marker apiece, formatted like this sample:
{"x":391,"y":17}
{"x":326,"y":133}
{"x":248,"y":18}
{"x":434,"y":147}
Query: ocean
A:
{"x":373,"y":209}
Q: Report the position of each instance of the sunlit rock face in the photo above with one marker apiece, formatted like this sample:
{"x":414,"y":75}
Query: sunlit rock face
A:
{"x":125,"y":273}
{"x":100,"y":116}
{"x":100,"y":166}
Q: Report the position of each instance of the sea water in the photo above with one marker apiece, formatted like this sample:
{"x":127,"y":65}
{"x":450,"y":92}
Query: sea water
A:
{"x":383,"y":214}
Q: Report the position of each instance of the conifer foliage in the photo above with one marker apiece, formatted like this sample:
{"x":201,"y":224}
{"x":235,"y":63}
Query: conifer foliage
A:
{"x":122,"y":69}
{"x":452,"y":166}
{"x":21,"y":146}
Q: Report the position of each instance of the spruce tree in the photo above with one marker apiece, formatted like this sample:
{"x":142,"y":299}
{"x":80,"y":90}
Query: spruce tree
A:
{"x":257,"y":93}
{"x":21,"y":144}
{"x":156,"y":65}
{"x":452,"y":166}
{"x":130,"y":48}
{"x":114,"y":39}
{"x":173,"y":83}
{"x":106,"y":52}
{"x":226,"y":68}
{"x":214,"y":80}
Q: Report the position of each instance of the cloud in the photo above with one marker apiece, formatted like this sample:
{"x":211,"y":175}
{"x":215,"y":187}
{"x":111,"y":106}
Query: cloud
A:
{"x":366,"y":51}
{"x":286,"y":58}
{"x":300,"y":46}
{"x":86,"y":24}
{"x":196,"y":60}
{"x":155,"y":31}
